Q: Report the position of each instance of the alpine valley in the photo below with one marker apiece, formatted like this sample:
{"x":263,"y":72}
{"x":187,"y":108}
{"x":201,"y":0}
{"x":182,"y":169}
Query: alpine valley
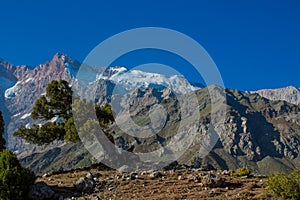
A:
{"x":261,"y":129}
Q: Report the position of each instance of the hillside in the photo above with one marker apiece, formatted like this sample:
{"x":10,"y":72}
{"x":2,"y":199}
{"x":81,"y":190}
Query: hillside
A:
{"x":178,"y":183}
{"x":258,"y":133}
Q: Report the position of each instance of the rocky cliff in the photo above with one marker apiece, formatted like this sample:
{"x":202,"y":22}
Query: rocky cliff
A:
{"x":23,"y":86}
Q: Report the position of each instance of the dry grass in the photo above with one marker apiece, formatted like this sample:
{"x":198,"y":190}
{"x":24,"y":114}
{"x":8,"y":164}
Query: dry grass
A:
{"x":114,"y":185}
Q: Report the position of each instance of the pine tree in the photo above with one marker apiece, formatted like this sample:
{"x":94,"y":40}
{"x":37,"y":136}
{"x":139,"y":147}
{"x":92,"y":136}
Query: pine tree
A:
{"x":57,"y":103}
{"x":2,"y":140}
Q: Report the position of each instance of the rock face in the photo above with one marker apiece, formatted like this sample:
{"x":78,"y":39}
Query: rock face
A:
{"x":260,"y":134}
{"x":290,"y":94}
{"x":24,"y":86}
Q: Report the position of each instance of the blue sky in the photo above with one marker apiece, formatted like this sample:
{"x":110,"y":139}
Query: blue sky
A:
{"x":255,"y":44}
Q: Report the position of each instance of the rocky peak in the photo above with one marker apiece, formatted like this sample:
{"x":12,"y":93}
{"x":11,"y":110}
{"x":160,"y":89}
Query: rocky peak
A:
{"x":28,"y":85}
{"x":290,"y":94}
{"x":6,"y":69}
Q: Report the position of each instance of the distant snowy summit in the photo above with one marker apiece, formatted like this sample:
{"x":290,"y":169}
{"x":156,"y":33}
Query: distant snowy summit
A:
{"x":133,"y":79}
{"x":290,"y":94}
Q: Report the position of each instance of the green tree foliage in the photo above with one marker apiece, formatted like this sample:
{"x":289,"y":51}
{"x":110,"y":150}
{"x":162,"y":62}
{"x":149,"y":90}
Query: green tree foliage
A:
{"x":57,"y":103}
{"x":14,"y":179}
{"x":2,"y":140}
{"x":285,"y":186}
{"x":104,"y":115}
{"x":71,"y":131}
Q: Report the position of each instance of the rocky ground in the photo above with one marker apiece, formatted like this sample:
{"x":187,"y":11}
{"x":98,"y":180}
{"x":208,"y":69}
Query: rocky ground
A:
{"x":179,"y":183}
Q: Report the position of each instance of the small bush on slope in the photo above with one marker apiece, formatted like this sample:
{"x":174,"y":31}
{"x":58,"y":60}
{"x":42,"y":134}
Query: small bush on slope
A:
{"x":285,"y":186}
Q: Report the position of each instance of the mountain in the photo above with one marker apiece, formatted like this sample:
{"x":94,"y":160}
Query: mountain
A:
{"x":290,"y":94}
{"x":22,"y":86}
{"x":259,"y":133}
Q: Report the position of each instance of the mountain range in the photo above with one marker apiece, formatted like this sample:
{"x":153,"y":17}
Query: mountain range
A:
{"x":261,"y":129}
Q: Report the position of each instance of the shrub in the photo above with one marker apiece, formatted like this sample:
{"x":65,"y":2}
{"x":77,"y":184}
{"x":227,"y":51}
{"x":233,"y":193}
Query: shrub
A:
{"x":285,"y":186}
{"x":14,"y":179}
{"x":243,"y":171}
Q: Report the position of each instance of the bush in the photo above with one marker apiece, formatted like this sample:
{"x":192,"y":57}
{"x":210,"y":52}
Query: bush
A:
{"x":285,"y":186}
{"x":14,"y":179}
{"x":243,"y":171}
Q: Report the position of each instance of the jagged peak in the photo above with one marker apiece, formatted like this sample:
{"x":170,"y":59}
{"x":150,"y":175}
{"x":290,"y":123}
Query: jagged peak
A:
{"x":62,"y":56}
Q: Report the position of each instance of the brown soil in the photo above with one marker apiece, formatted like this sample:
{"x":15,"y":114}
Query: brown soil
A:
{"x":173,"y":184}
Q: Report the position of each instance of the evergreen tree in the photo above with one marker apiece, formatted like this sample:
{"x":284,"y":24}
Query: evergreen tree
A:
{"x":57,"y":104}
{"x":14,"y":179}
{"x":2,"y":140}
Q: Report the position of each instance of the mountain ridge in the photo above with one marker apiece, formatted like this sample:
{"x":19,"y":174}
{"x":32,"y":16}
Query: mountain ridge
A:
{"x":250,"y":117}
{"x":290,"y":94}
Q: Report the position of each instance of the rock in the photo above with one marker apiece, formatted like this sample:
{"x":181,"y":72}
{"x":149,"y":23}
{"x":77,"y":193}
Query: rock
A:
{"x":46,"y":175}
{"x":155,"y":174}
{"x":193,"y":177}
{"x":133,"y":175}
{"x":41,"y":191}
{"x":226,"y":172}
{"x":85,"y":184}
{"x":211,"y":180}
{"x":89,"y":175}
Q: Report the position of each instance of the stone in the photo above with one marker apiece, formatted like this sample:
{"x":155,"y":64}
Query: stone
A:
{"x":89,"y":175}
{"x":211,"y":180}
{"x":46,"y":175}
{"x":85,"y":184}
{"x":155,"y":174}
{"x":133,"y":175}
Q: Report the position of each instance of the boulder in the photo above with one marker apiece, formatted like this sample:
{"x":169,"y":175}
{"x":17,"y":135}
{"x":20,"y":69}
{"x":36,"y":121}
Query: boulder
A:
{"x":211,"y":180}
{"x":85,"y":184}
{"x":155,"y":174}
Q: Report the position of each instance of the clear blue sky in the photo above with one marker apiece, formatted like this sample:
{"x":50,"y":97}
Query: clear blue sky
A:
{"x":255,"y":44}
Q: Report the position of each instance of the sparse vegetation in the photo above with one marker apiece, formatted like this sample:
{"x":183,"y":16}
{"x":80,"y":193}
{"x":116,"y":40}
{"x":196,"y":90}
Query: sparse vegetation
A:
{"x":285,"y":186}
{"x":243,"y":171}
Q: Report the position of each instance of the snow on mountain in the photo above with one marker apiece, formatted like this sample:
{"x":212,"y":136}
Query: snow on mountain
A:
{"x":25,"y":116}
{"x":13,"y":91}
{"x":132,"y":79}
